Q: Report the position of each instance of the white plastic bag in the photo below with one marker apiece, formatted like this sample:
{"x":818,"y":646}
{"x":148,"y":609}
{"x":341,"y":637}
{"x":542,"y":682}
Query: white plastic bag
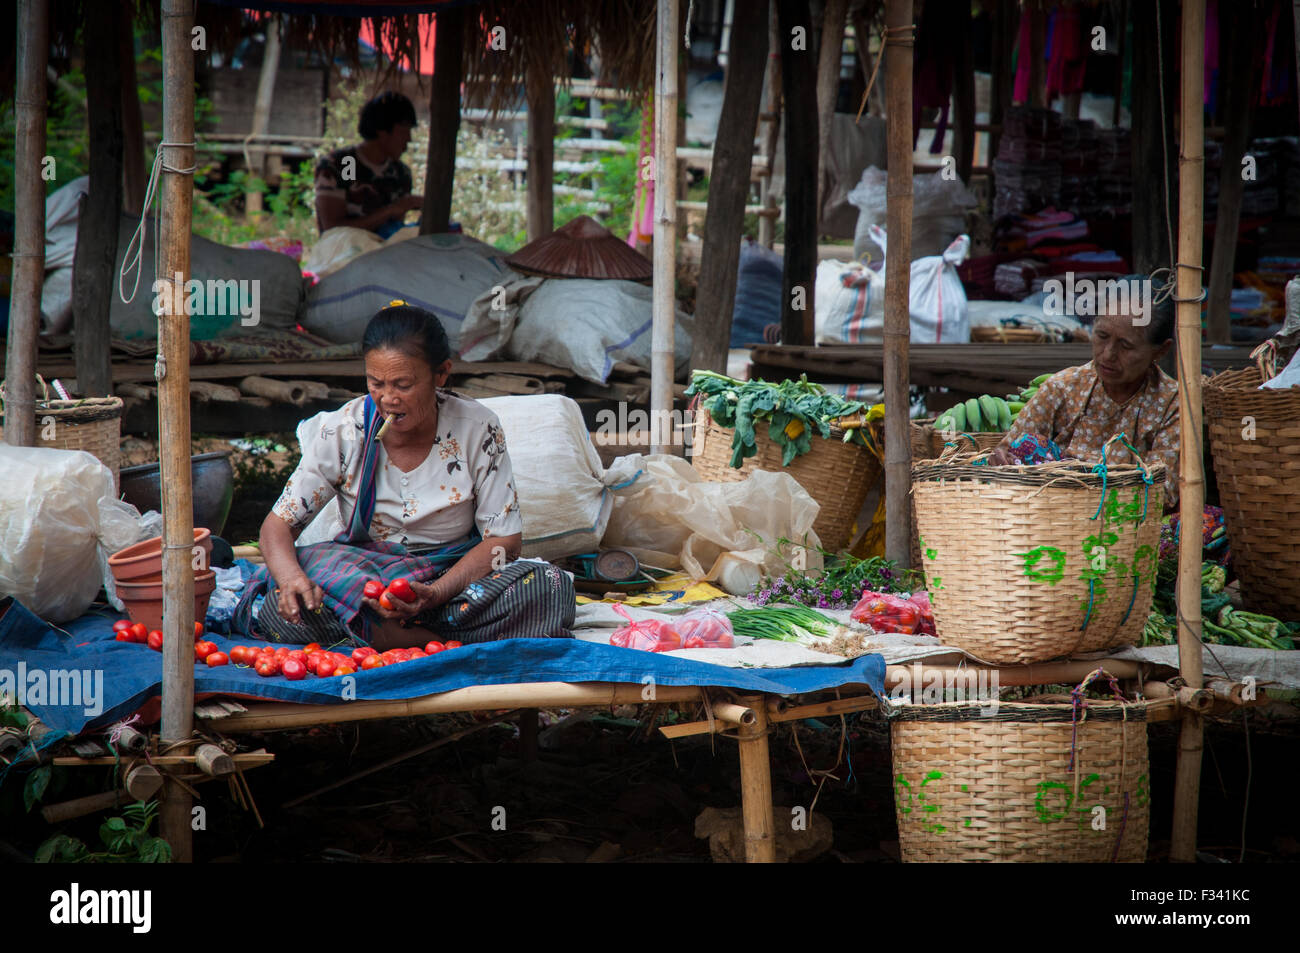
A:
{"x":726,"y":532}
{"x":60,"y":520}
{"x":938,"y":211}
{"x":936,"y":298}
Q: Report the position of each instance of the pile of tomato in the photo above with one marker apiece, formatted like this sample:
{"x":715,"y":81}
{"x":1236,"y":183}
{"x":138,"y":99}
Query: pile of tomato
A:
{"x":293,"y":663}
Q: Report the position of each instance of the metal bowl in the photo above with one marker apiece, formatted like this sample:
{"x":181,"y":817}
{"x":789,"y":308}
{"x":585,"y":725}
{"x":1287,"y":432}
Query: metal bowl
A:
{"x":213,"y":480}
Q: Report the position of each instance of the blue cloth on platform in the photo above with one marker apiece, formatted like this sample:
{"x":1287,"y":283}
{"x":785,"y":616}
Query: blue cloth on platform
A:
{"x":131,"y":674}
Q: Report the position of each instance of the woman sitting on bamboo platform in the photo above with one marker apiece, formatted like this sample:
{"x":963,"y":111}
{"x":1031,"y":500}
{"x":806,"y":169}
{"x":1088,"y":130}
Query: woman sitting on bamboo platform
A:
{"x":425,"y":486}
{"x":1120,"y":391}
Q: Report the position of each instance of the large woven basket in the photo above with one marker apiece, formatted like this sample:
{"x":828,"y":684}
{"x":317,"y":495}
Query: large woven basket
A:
{"x":1025,"y":564}
{"x":929,"y":444}
{"x":837,"y":475}
{"x":998,"y":785}
{"x":93,"y":424}
{"x":1259,"y":485}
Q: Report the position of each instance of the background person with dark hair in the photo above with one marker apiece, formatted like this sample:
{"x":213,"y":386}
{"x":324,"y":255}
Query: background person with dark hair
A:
{"x":367,"y":185}
{"x":1121,"y":390}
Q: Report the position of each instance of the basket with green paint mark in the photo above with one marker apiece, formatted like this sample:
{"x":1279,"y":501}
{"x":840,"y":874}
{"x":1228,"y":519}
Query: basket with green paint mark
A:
{"x":1064,"y":780}
{"x":1030,"y":563}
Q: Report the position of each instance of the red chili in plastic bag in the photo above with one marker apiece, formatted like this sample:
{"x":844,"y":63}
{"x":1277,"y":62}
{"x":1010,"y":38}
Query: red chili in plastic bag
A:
{"x":648,"y":635}
{"x":705,"y":628}
{"x":887,"y":613}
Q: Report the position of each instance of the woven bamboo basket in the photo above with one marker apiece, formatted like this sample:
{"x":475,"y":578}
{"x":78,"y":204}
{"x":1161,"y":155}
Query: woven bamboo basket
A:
{"x":93,"y":424}
{"x":1259,"y":484}
{"x":929,"y":444}
{"x":1007,"y":335}
{"x":1025,"y":564}
{"x":837,"y":475}
{"x":999,"y":785}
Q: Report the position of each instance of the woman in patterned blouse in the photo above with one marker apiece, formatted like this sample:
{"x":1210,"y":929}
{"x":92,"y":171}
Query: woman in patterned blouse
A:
{"x":1121,"y":390}
{"x":434,"y":501}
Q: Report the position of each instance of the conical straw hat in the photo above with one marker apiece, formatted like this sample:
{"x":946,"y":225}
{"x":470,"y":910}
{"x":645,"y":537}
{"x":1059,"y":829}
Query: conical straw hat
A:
{"x":582,"y":249}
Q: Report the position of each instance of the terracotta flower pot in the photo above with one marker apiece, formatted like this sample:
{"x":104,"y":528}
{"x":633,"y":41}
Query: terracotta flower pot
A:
{"x":144,"y":601}
{"x":142,"y":563}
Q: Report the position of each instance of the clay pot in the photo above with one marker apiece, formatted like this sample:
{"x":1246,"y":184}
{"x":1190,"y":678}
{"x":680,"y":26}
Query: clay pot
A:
{"x":212,"y":482}
{"x":144,"y":601}
{"x":142,"y":563}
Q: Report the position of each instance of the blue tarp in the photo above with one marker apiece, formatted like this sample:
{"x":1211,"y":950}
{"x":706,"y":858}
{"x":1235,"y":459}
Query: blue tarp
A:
{"x":116,"y":678}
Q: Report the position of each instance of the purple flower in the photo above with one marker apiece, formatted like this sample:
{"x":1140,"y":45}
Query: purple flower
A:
{"x":837,"y":594}
{"x":822,"y":603}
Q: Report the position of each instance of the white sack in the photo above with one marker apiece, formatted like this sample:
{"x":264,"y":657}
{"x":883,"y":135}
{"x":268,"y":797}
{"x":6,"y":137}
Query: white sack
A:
{"x":56,"y":301}
{"x":60,"y":520}
{"x":441,"y":273}
{"x":337,"y":247}
{"x":848,"y":303}
{"x":581,"y":324}
{"x":672,"y":518}
{"x":938,"y":211}
{"x":62,"y":210}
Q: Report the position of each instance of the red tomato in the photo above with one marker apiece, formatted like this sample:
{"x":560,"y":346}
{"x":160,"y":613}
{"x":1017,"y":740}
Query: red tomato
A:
{"x":240,"y":655}
{"x":394,"y":655}
{"x":198,"y":630}
{"x":282,"y":652}
{"x":203,"y":649}
{"x":217,"y":658}
{"x":416,"y":653}
{"x":294,"y":669}
{"x":123,"y":636}
{"x":266,"y":658}
{"x":453,"y":644}
{"x":372,"y":661}
{"x":265,"y":668}
{"x":139,"y":633}
{"x":325,"y":667}
{"x":346,"y":669}
{"x":310,"y":647}
{"x":432,"y":648}
{"x":298,"y":655}
{"x":374,"y":589}
{"x":400,"y":588}
{"x":386,"y":602}
{"x":121,"y":624}
{"x":154,"y":640}
{"x":360,"y":654}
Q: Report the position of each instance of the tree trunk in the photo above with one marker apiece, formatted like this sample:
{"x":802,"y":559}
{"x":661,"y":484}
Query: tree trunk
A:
{"x":964,"y":103}
{"x":1240,"y":79}
{"x":134,"y":175}
{"x":444,"y":121}
{"x":799,"y":84}
{"x":733,"y":153}
{"x":1154,"y":175}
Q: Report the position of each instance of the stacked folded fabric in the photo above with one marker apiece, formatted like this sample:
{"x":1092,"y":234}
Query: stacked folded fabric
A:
{"x":1079,"y":167}
{"x":1115,"y":171}
{"x":1015,"y":279}
{"x":1027,"y":170}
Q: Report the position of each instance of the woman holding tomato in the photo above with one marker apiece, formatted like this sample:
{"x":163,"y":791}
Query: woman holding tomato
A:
{"x":425,"y":502}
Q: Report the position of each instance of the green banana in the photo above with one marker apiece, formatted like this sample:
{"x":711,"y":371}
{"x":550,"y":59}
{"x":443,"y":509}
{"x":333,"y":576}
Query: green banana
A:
{"x":1039,"y":380}
{"x":989,"y":412}
{"x":958,"y":415}
{"x":1016,"y":406}
{"x":1028,"y":393}
{"x":944,"y":423}
{"x":974,"y":422}
{"x":1004,"y":415}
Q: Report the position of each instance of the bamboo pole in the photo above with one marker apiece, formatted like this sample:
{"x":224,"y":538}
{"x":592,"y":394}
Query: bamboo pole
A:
{"x":540,"y":90}
{"x":756,"y":786}
{"x":33,"y":24}
{"x":1194,"y":699}
{"x":265,"y":717}
{"x":444,"y":120}
{"x":799,"y":88}
{"x":1048,"y":673}
{"x":834,"y":16}
{"x":662,"y":364}
{"x":1191,"y":162}
{"x":256,"y":158}
{"x":176,"y":201}
{"x":134,"y":176}
{"x":898,"y":274}
{"x":79,"y":807}
{"x":770,"y":113}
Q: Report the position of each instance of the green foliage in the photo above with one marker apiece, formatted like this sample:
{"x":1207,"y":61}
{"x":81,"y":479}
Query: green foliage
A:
{"x":126,"y":839}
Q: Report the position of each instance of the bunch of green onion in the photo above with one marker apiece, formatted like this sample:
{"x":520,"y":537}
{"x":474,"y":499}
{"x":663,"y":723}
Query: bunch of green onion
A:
{"x":784,"y":623}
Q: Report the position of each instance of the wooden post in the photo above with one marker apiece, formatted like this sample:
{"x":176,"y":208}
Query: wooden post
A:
{"x":898,"y":279}
{"x":1191,"y":482}
{"x":134,"y":175}
{"x":1150,"y":232}
{"x":963,"y":96}
{"x":541,"y":152}
{"x":262,"y":114}
{"x":444,"y":120}
{"x":733,"y":153}
{"x":1037,"y":45}
{"x":1240,"y":78}
{"x":828,"y":85}
{"x":29,"y":222}
{"x":1119,"y":64}
{"x":176,"y":201}
{"x":662,"y":361}
{"x":756,"y":786}
{"x":799,"y":84}
{"x":1006,"y":21}
{"x":772,"y":111}
{"x":94,"y":266}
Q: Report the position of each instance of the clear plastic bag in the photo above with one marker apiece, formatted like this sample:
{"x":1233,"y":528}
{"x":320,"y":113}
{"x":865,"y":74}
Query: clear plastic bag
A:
{"x":887,"y":613}
{"x":648,"y":635}
{"x":705,"y":628}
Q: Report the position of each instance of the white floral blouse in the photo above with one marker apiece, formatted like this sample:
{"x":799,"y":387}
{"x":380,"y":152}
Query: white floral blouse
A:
{"x":465,"y":481}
